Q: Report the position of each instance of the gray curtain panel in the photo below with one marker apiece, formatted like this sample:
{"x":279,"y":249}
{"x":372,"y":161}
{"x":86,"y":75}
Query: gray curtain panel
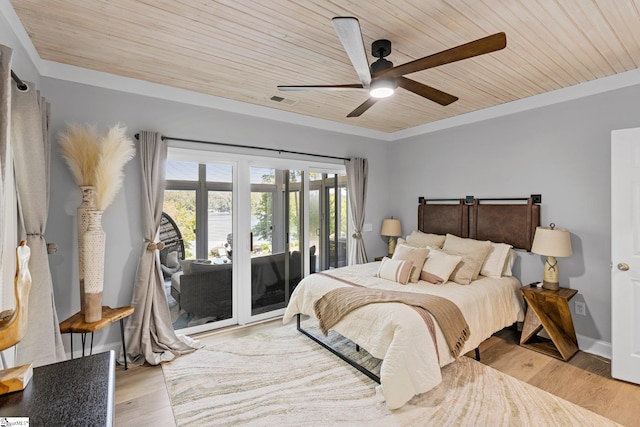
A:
{"x":357,"y":171}
{"x":31,"y":149}
{"x":149,"y":333}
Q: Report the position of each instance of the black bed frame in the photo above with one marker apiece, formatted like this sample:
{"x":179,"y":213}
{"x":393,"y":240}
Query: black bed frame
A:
{"x":465,"y":218}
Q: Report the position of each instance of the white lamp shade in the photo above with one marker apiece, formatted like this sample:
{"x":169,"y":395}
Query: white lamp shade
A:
{"x":391,"y":227}
{"x":549,"y":241}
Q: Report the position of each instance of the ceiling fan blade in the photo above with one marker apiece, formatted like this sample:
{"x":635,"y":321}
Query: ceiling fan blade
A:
{"x":469,"y":50}
{"x":326,"y":87}
{"x":428,"y":92}
{"x":363,"y":107}
{"x":348,"y":30}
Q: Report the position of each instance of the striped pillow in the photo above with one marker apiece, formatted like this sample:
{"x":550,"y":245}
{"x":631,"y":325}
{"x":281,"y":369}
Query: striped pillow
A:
{"x":396,"y":270}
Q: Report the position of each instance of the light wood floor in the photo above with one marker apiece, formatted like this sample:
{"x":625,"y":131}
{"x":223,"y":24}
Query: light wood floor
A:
{"x":142,"y":399}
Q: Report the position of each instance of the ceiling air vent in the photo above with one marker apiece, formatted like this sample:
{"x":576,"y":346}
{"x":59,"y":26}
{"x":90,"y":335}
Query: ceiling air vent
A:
{"x":276,"y":98}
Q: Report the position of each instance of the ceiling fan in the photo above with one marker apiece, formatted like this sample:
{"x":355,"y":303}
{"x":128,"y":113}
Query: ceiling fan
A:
{"x":382,"y":78}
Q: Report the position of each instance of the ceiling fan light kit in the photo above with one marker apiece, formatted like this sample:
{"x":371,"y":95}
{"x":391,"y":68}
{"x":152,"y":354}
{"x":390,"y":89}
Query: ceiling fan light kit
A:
{"x":382,"y":78}
{"x":382,"y":88}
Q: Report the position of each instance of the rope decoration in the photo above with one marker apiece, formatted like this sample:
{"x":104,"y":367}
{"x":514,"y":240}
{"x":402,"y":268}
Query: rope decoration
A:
{"x":154,"y":246}
{"x":357,"y":235}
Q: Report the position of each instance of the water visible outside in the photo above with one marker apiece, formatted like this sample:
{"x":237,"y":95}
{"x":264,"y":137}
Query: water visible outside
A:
{"x":220,"y":225}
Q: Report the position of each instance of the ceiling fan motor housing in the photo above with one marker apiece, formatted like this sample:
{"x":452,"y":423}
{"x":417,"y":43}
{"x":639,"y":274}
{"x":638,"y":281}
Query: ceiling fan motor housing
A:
{"x":381,"y":48}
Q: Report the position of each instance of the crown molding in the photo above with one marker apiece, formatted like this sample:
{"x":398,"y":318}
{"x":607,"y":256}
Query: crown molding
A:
{"x":580,"y":90}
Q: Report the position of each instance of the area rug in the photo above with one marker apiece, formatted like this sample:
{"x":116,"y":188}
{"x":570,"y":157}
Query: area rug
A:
{"x":279,"y":377}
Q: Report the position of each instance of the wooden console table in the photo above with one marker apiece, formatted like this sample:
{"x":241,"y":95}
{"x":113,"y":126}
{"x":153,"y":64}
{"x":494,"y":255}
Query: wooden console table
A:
{"x":76,"y":392}
{"x":549,"y":310}
{"x":76,"y":325}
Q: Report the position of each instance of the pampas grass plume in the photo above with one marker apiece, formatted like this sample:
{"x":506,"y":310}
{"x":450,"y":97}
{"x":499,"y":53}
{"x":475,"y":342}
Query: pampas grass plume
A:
{"x":80,"y":150}
{"x":116,"y":149}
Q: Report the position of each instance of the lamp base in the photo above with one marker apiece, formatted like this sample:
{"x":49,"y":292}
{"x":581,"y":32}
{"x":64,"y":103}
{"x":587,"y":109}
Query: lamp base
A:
{"x":551,"y":274}
{"x":392,"y":246}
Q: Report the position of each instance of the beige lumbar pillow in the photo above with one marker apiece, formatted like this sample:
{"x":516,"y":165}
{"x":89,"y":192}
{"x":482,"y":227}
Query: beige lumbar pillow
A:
{"x":416,"y":255}
{"x":439,"y":266}
{"x":473,"y":253}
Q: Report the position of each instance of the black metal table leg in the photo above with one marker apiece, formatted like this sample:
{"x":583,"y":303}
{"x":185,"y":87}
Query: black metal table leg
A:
{"x":84,"y":341}
{"x":124,"y":348}
{"x":71,"y":336}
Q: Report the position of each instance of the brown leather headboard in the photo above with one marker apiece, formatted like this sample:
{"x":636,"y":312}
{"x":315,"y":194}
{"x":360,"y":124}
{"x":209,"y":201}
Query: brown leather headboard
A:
{"x":511,"y":221}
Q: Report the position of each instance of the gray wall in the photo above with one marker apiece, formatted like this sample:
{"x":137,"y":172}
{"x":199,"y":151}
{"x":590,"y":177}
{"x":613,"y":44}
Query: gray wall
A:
{"x":562,"y":152}
{"x":21,"y":63}
{"x":72,"y":102}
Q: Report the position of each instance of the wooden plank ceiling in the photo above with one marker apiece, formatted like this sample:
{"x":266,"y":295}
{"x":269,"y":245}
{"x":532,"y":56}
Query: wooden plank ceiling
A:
{"x":243,"y":49}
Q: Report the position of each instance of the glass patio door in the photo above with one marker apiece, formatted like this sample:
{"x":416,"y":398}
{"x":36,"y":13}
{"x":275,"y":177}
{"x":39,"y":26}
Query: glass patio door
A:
{"x":243,"y":235}
{"x":276,"y":232}
{"x":328,"y":220}
{"x":198,"y":263}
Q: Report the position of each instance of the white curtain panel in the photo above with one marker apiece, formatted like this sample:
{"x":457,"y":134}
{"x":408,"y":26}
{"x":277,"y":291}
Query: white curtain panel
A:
{"x":149,"y":333}
{"x":357,"y":171}
{"x":31,"y":147}
{"x":7,"y":269}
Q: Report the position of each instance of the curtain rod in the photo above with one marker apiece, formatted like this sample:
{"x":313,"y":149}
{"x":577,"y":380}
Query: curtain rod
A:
{"x":224,"y":144}
{"x":21,"y":85}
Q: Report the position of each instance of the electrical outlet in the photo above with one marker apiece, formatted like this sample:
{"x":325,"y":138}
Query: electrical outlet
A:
{"x":580,"y":308}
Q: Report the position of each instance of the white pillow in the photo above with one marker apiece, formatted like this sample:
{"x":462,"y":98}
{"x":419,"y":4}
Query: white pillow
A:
{"x":496,"y":259}
{"x":172,"y":260}
{"x":508,"y":265}
{"x":439,"y":266}
{"x":417,"y":255}
{"x":395,"y":269}
{"x":420,"y":239}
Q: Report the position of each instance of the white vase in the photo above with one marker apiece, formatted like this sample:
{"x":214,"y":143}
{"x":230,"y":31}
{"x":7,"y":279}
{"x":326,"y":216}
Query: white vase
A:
{"x":87,"y":204}
{"x":93,"y":244}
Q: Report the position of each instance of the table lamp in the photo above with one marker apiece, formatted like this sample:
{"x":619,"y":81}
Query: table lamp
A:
{"x":551,"y":242}
{"x":391,"y":227}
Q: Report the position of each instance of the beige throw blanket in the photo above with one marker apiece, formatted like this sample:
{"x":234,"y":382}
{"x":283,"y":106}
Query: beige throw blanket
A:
{"x":335,"y":304}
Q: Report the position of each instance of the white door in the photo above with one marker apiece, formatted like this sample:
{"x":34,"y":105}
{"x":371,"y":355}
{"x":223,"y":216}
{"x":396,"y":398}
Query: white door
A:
{"x":625,"y":252}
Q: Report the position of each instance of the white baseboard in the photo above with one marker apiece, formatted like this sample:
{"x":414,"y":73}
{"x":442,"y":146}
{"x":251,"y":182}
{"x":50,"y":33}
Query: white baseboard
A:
{"x":599,"y":348}
{"x":77,"y":348}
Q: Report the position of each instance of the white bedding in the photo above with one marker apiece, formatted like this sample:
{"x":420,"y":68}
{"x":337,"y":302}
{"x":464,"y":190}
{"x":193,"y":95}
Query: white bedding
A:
{"x":397,"y":334}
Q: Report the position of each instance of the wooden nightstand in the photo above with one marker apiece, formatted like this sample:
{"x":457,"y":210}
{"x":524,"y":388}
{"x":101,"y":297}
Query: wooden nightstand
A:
{"x":378,"y":258}
{"x":549,"y":310}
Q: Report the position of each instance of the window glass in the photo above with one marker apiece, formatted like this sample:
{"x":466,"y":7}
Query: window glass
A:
{"x":182,"y":171}
{"x":180,"y":205}
{"x":263,"y":175}
{"x":220,"y":225}
{"x":219,"y":173}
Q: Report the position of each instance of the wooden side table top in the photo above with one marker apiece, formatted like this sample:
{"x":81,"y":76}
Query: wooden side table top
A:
{"x":564,"y":293}
{"x":76,"y":324}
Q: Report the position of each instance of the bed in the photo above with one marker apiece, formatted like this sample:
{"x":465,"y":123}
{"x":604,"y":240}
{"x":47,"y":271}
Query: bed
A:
{"x":395,"y":332}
